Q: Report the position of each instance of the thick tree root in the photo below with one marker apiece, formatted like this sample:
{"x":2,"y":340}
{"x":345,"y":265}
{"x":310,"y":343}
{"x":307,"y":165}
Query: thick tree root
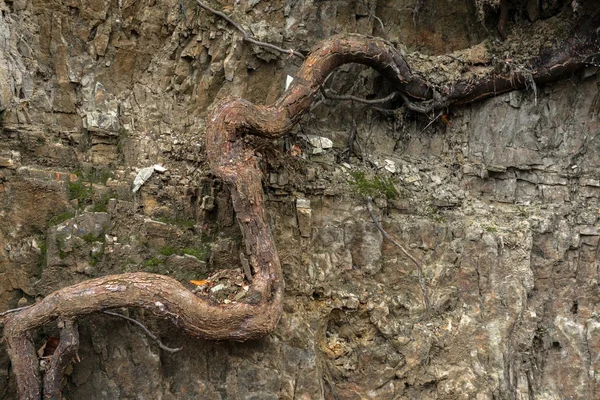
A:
{"x":233,"y":161}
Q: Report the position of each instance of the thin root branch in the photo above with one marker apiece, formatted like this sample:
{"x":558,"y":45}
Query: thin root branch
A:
{"x":403,"y":250}
{"x":14,"y":310}
{"x":150,"y":334}
{"x":247,"y":36}
{"x":331,"y":95}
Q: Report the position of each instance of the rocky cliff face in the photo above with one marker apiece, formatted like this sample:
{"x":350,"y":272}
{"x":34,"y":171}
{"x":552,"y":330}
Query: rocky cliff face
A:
{"x":499,"y":201}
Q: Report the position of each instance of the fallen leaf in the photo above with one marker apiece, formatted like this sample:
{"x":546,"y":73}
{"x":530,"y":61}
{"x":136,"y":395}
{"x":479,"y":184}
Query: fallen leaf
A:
{"x":295,"y":151}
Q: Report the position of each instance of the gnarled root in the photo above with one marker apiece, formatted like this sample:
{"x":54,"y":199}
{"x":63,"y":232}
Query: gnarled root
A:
{"x":232,"y":160}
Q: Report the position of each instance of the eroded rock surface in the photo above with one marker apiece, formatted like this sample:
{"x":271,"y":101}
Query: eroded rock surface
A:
{"x":500,"y":203}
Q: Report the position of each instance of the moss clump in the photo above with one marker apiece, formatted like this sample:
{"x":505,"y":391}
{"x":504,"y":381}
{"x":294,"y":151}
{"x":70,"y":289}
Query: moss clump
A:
{"x":378,"y":186}
{"x":154,"y":265}
{"x":201,"y":253}
{"x":60,"y":218}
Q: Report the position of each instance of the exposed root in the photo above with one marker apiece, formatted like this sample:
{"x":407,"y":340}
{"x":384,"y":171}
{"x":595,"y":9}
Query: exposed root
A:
{"x":233,"y":160}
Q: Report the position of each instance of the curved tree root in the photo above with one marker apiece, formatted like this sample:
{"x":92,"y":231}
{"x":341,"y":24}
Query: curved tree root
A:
{"x":233,"y":161}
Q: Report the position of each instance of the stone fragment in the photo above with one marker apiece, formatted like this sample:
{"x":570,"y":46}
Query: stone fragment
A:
{"x":515,"y":98}
{"x":288,"y":81}
{"x":142,"y":176}
{"x":218,"y":287}
{"x":389,"y":166}
{"x":102,"y":38}
{"x":319,"y":143}
{"x":304,"y":215}
{"x":182,"y":70}
{"x":6,"y":162}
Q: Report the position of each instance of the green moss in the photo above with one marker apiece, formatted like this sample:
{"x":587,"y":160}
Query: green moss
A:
{"x":378,"y":186}
{"x":201,"y":253}
{"x":91,"y":238}
{"x":60,"y":218}
{"x":153,"y":262}
{"x":43,"y":247}
{"x":430,"y":210}
{"x":61,"y":253}
{"x":168,"y":251}
{"x":154,"y":265}
{"x":491,"y":228}
{"x":184,"y":223}
{"x":99,"y":207}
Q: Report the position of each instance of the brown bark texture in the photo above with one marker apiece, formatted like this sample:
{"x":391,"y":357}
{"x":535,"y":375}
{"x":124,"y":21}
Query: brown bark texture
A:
{"x":232,"y":159}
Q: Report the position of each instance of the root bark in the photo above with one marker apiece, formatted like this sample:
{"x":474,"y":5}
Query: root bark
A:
{"x":232,"y":160}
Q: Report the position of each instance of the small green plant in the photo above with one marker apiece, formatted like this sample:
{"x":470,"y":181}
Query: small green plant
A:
{"x":121,"y":140}
{"x":378,"y":186}
{"x":94,"y":174}
{"x":96,"y":257}
{"x":523,"y":211}
{"x":101,"y":204}
{"x":92,"y":237}
{"x":80,"y":191}
{"x":433,"y":212}
{"x":59,"y":245}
